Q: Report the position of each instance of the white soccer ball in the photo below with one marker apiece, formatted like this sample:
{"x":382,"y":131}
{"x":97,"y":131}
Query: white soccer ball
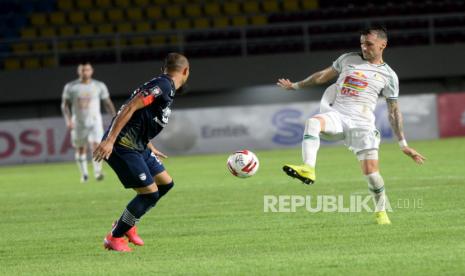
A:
{"x":243,"y":163}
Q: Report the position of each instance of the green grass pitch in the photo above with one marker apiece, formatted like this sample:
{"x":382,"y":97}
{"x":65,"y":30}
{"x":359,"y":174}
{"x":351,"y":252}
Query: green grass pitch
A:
{"x":213,"y":223}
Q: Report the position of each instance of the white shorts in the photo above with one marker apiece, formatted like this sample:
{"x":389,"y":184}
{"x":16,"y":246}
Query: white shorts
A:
{"x":339,"y":127}
{"x":82,"y":135}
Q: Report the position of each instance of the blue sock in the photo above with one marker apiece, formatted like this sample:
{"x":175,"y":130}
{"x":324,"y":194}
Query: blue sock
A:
{"x":163,"y":189}
{"x":134,"y":211}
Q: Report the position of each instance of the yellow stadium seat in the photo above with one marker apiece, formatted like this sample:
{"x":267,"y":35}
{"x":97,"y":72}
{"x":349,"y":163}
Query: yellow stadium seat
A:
{"x":259,"y":20}
{"x":157,"y":40}
{"x":57,"y":18}
{"x":141,"y":3}
{"x":105,"y":4}
{"x":239,"y":21}
{"x":12,"y":64}
{"x":77,"y":17}
{"x":20,"y":48}
{"x":231,"y":8}
{"x":270,"y":6}
{"x":153,"y":12}
{"x":105,"y":29}
{"x":65,"y":5}
{"x":47,"y":32}
{"x":291,"y":5}
{"x":115,"y":15}
{"x":143,"y":27}
{"x":163,"y":25}
{"x":28,"y":33}
{"x":220,"y":22}
{"x":38,"y":19}
{"x":124,"y":28}
{"x":212,"y":9}
{"x":62,"y":45}
{"x":67,"y":31}
{"x":173,"y":39}
{"x":31,"y":63}
{"x":182,"y":24}
{"x":137,"y":41}
{"x":98,"y":43}
{"x":84,"y":4}
{"x":96,"y":16}
{"x":161,"y":2}
{"x":201,"y":23}
{"x":40,"y":46}
{"x":49,"y":62}
{"x":251,"y":7}
{"x":79,"y":44}
{"x":173,"y":11}
{"x":123,"y":3}
{"x":86,"y":30}
{"x":134,"y":14}
{"x":193,"y":10}
{"x":310,"y":4}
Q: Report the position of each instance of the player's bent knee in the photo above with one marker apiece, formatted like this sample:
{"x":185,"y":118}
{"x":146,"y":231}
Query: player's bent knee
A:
{"x":313,"y":126}
{"x":164,"y":189}
{"x":152,"y":188}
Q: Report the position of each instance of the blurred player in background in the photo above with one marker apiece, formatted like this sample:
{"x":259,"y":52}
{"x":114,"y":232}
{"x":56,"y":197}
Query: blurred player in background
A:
{"x":81,"y":109}
{"x":347,"y":113}
{"x":127,"y":148}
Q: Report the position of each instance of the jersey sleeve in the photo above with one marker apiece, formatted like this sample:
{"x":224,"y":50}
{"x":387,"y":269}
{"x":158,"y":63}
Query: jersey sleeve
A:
{"x":391,"y":90}
{"x":155,"y":90}
{"x":104,"y":94}
{"x":338,"y":64}
{"x":66,"y":93}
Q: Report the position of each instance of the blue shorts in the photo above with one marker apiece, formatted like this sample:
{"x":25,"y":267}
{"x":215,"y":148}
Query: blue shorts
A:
{"x":134,"y":169}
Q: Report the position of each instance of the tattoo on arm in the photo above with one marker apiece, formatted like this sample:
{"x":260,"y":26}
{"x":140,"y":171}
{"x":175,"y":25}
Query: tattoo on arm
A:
{"x":395,"y":118}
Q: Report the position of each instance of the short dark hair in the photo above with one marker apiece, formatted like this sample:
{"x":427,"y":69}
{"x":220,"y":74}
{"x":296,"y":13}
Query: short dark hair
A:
{"x":85,"y":63}
{"x":174,"y":62}
{"x":380,"y":31}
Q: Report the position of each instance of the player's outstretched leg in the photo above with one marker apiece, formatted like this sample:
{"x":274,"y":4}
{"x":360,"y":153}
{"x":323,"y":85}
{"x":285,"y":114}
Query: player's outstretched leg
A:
{"x":376,"y":187}
{"x":310,"y":146}
{"x":81,"y":161}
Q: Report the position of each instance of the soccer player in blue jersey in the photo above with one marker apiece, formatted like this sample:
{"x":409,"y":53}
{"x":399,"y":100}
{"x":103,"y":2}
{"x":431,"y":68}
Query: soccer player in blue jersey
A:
{"x":127,"y":149}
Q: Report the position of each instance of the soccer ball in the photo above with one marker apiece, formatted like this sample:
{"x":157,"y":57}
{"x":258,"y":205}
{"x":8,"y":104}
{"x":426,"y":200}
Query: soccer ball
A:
{"x":243,"y":163}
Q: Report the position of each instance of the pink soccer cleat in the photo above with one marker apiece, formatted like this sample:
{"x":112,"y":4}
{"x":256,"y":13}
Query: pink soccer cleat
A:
{"x":117,"y":244}
{"x":132,"y":235}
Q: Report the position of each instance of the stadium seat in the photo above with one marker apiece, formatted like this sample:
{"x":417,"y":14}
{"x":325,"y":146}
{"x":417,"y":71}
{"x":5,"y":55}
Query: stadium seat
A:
{"x":143,"y":27}
{"x":141,"y":3}
{"x":124,"y":28}
{"x":47,"y":32}
{"x":38,"y":19}
{"x":84,"y":4}
{"x":270,"y":6}
{"x":221,"y":22}
{"x":173,"y":11}
{"x":40,"y":46}
{"x":123,"y":3}
{"x":57,"y":18}
{"x":310,"y":4}
{"x":161,"y":2}
{"x":63,"y":45}
{"x":291,"y":5}
{"x":31,"y":63}
{"x":77,"y":17}
{"x":102,"y":4}
{"x":258,"y":20}
{"x":182,"y":24}
{"x":86,"y":30}
{"x":105,"y":29}
{"x":49,"y":62}
{"x":163,"y":25}
{"x":12,"y":64}
{"x":20,"y":48}
{"x":134,"y":14}
{"x":153,"y":13}
{"x":96,"y":16}
{"x":251,"y":7}
{"x":212,"y":9}
{"x":193,"y":10}
{"x":239,"y":21}
{"x":157,"y":40}
{"x":66,"y":31}
{"x":65,"y":5}
{"x":28,"y":33}
{"x":99,"y":43}
{"x":79,"y":44}
{"x":231,"y":8}
{"x":137,"y":41}
{"x":115,"y":15}
{"x":201,"y":23}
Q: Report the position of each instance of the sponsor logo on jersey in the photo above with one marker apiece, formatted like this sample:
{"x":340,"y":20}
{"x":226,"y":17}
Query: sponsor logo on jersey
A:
{"x":142,"y":176}
{"x":155,"y":90}
{"x":354,"y":83}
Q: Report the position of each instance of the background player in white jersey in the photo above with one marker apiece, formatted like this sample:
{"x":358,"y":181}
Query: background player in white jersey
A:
{"x":350,"y":117}
{"x":81,"y":109}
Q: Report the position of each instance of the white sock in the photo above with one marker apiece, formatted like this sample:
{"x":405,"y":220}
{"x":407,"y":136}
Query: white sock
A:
{"x":97,"y":168}
{"x":81,"y":160}
{"x":311,"y":141}
{"x":376,"y":187}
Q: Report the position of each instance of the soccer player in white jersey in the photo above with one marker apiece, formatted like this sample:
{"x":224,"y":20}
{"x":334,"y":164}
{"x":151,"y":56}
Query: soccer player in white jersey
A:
{"x":361,"y":78}
{"x":81,"y":109}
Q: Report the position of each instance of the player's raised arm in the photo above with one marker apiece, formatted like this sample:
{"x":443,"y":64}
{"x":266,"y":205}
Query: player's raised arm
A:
{"x":395,"y":118}
{"x":317,"y":78}
{"x":105,"y":148}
